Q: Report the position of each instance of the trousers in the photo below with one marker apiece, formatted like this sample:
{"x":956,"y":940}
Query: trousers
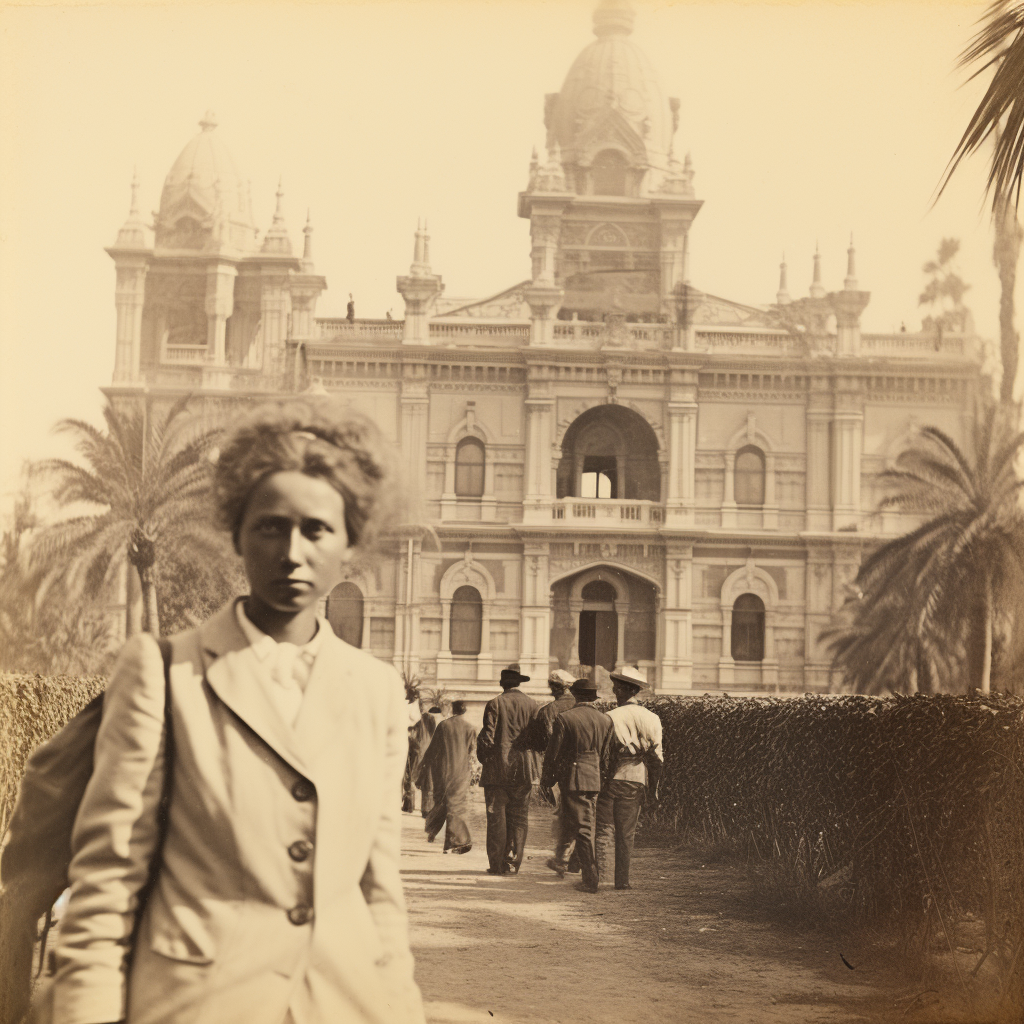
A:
{"x":618,"y":810}
{"x":580,"y":810}
{"x":507,"y":820}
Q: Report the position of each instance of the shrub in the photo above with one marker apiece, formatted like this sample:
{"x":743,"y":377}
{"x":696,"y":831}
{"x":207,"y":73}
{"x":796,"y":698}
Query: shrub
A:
{"x":905,"y":813}
{"x":32,"y":709}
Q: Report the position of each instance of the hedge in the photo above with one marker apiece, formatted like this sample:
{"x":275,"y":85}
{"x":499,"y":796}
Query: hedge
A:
{"x":33,"y":708}
{"x":903,"y":813}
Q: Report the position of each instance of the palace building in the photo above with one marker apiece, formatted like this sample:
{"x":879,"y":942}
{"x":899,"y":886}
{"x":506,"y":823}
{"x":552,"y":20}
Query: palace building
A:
{"x":615,"y":466}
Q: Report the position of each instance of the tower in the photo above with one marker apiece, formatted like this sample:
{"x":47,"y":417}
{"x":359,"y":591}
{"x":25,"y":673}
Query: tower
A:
{"x":205,"y":302}
{"x":610,"y":210}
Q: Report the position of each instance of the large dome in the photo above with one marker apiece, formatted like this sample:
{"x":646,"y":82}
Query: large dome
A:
{"x":205,"y":202}
{"x":610,"y":82}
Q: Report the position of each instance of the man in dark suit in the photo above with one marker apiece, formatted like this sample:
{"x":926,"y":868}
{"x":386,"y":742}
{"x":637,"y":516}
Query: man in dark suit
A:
{"x":578,"y":758}
{"x":540,"y":736}
{"x":503,"y":752}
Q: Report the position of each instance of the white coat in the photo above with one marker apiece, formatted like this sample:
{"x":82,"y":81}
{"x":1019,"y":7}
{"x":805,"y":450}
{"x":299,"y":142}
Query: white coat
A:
{"x":279,"y":888}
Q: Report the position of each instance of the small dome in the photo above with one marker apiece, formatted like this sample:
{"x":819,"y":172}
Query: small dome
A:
{"x":612,"y":82}
{"x":205,"y":203}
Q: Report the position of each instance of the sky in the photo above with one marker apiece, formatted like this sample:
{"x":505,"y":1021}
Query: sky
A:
{"x":806,"y":122}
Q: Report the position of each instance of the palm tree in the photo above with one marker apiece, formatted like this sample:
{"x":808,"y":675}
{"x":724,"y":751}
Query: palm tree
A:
{"x":924,"y":612}
{"x":999,"y":46}
{"x":150,"y":481}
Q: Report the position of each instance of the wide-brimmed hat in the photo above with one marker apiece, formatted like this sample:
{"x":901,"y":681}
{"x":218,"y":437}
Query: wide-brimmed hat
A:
{"x":511,"y":676}
{"x":584,"y":687}
{"x":631,"y":675}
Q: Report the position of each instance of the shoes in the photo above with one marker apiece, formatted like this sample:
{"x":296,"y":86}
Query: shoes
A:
{"x":460,"y":849}
{"x":495,"y":871}
{"x":511,"y":869}
{"x":555,"y":866}
{"x":583,"y":887}
{"x":626,"y":886}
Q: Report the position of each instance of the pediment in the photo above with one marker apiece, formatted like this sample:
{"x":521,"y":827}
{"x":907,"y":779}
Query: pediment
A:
{"x":713,"y":311}
{"x":610,"y":130}
{"x":508,"y":304}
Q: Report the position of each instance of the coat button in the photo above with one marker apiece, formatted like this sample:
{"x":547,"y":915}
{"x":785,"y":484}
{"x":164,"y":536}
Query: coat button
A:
{"x":303,"y":790}
{"x":300,"y":850}
{"x":300,"y":914}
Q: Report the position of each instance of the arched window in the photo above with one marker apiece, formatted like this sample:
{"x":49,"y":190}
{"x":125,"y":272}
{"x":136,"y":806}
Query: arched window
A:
{"x":467,"y":621}
{"x":748,"y":628}
{"x":608,"y":173}
{"x":749,"y":476}
{"x":345,"y":613}
{"x":469,"y":468}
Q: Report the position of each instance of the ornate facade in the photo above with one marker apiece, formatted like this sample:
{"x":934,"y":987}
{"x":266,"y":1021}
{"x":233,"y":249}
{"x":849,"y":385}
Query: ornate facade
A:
{"x":616,"y":466}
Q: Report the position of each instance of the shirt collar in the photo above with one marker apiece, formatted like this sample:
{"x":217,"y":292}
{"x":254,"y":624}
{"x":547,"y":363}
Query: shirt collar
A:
{"x":263,"y":646}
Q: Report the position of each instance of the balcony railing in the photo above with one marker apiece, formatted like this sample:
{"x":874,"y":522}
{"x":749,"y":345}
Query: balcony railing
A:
{"x":920,"y":346}
{"x":609,"y":512}
{"x":187,"y":355}
{"x":380,"y":330}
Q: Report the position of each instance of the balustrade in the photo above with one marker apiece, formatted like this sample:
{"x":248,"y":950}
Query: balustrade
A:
{"x":609,"y":512}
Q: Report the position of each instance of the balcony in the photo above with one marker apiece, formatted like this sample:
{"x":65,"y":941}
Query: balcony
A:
{"x":598,"y":514}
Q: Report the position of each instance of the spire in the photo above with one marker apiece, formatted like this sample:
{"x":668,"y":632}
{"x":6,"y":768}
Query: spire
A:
{"x":551,"y":177}
{"x":782,"y":296}
{"x":133,"y":234}
{"x":421,"y":252}
{"x":850,"y":284}
{"x":276,"y":239}
{"x":209,"y":121}
{"x":817,"y":291}
{"x":613,"y":17}
{"x":307,"y":246}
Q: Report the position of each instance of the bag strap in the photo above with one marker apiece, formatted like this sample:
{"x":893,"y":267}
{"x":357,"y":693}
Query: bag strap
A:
{"x":164,"y":806}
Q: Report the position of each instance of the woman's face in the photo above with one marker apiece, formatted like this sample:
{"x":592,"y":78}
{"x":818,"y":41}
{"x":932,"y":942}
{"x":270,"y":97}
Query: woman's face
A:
{"x":293,"y":541}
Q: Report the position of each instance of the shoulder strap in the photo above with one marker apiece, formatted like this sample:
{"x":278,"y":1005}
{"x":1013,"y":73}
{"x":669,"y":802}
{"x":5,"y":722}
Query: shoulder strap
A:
{"x":164,"y":806}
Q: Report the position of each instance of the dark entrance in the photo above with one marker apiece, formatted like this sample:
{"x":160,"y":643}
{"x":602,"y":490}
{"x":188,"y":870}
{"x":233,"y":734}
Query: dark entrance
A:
{"x":599,"y":639}
{"x":599,"y":626}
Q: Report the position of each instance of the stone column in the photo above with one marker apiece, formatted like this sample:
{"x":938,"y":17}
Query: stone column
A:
{"x":535,"y":623}
{"x":275,"y":308}
{"x":129,"y":298}
{"x":414,"y":405}
{"x":675,"y":620}
{"x":817,"y":614}
{"x":818,"y":468}
{"x":540,"y":411}
{"x":847,"y":449}
{"x":488,"y":501}
{"x":730,"y":517}
{"x":220,"y":304}
{"x":682,"y":462}
{"x":449,"y":499}
{"x":770,"y":511}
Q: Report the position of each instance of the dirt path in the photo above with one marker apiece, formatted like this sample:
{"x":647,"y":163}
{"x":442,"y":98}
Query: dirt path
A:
{"x":682,"y":947}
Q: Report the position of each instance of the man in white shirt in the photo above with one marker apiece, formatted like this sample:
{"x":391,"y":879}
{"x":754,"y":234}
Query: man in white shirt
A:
{"x":636,"y":770}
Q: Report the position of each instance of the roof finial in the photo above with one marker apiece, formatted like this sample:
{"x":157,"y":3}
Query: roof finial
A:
{"x":613,"y":17}
{"x":307,"y":245}
{"x":817,"y":290}
{"x":132,"y":234}
{"x":850,"y":284}
{"x":782,"y":296}
{"x":421,"y":252}
{"x":209,"y":121}
{"x":276,"y":239}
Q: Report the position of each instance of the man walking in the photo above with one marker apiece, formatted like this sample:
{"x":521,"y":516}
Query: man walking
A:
{"x":447,"y":763}
{"x":578,"y":759}
{"x":540,"y":736}
{"x":636,"y":772}
{"x":503,"y":753}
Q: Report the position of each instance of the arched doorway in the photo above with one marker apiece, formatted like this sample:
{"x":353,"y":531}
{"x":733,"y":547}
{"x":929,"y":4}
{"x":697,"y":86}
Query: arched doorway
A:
{"x":598,"y":642}
{"x":603,"y":617}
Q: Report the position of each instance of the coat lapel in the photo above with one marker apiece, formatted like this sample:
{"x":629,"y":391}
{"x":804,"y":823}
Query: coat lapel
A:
{"x":232,"y":670}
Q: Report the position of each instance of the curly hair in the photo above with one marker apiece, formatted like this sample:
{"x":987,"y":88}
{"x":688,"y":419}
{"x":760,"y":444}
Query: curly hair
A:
{"x":320,"y":438}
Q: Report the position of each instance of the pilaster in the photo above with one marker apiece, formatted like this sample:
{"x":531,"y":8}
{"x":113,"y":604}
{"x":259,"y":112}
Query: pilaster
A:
{"x":675,"y":626}
{"x":682,"y":463}
{"x":847,"y":448}
{"x":129,"y":298}
{"x":414,"y":404}
{"x":220,"y":304}
{"x":535,"y":626}
{"x":819,"y":471}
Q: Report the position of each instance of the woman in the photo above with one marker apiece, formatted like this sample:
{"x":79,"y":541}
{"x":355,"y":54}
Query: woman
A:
{"x":277,"y":897}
